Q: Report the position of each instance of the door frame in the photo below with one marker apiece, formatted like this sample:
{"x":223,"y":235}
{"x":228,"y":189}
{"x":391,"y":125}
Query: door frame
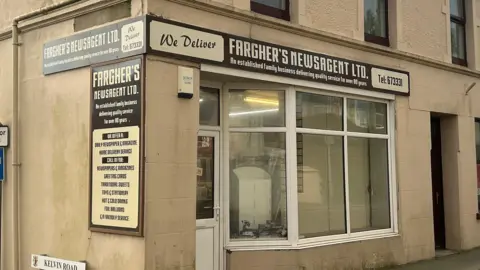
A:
{"x":218,"y":213}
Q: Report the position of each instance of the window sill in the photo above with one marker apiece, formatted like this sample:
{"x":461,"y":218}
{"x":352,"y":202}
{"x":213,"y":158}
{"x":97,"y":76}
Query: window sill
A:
{"x":282,"y":14}
{"x":459,"y":62}
{"x":300,"y":246}
{"x":383,"y":41}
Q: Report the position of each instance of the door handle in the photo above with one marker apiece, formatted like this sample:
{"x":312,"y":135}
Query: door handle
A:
{"x":217,"y":212}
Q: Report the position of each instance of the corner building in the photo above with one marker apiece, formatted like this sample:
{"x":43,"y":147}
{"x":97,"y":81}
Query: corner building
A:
{"x":238,"y":134}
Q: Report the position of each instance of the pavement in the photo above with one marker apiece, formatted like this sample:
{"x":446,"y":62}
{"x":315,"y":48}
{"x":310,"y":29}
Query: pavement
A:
{"x":468,"y":260}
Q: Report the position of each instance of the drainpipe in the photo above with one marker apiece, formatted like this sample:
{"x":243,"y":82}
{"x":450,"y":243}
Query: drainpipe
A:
{"x":15,"y":163}
{"x":16,"y":251}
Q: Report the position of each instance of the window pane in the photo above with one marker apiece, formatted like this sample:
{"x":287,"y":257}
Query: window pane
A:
{"x":458,"y":40}
{"x":319,"y":112}
{"x":367,"y":116}
{"x":209,"y":107}
{"x":256,"y":108}
{"x":375,"y":18}
{"x":477,"y":144}
{"x":205,"y":176}
{"x":258,"y":195}
{"x":321,"y":196}
{"x":280,"y":4}
{"x":368,"y":184}
{"x":456,"y":8}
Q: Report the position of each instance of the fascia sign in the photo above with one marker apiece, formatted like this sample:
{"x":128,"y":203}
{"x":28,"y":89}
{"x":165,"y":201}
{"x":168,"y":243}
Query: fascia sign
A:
{"x":175,"y":39}
{"x":154,"y":35}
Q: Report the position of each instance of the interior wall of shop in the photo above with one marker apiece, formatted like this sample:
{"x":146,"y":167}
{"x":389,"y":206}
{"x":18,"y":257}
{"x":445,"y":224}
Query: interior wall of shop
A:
{"x":54,"y":134}
{"x":433,"y":89}
{"x":171,"y":154}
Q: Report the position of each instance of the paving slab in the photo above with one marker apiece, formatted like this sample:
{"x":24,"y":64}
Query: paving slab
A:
{"x":468,"y":260}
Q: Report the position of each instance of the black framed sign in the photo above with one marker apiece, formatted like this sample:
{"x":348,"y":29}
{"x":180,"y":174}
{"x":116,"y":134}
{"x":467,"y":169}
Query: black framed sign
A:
{"x":170,"y":38}
{"x":116,"y":164}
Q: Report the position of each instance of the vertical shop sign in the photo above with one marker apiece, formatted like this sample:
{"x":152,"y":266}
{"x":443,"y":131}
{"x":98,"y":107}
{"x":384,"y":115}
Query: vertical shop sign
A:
{"x":116,"y":147}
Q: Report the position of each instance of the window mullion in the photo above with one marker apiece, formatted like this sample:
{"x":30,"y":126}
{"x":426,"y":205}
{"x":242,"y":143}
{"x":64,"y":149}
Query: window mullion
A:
{"x":391,"y":166}
{"x":345,"y":167}
{"x":292,"y":196}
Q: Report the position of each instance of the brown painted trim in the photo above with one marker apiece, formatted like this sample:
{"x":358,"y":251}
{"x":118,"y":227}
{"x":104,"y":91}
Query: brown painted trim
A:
{"x":384,"y":41}
{"x":461,"y":21}
{"x":265,"y":21}
{"x":459,"y":61}
{"x":283,"y":14}
{"x":377,"y":40}
{"x":478,"y":216}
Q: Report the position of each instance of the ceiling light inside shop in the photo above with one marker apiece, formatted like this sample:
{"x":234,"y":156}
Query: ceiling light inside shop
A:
{"x":252,"y":112}
{"x":261,"y":101}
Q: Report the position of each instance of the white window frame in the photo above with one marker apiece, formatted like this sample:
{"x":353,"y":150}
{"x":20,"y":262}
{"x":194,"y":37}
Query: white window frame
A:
{"x":291,"y":86}
{"x":261,"y":244}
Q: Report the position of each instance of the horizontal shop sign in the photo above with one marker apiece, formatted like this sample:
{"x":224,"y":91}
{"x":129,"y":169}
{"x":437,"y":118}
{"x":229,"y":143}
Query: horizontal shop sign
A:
{"x":49,"y":263}
{"x":193,"y":43}
{"x":115,"y":41}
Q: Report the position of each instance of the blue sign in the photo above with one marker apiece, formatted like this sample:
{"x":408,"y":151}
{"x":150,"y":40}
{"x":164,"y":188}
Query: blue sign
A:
{"x":2,"y":164}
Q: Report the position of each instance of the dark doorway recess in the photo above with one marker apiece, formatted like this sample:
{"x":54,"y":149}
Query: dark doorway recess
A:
{"x":437,"y":183}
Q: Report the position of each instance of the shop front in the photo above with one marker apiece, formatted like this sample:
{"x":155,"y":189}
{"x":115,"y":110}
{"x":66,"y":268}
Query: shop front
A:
{"x":295,"y":149}
{"x":291,"y":167}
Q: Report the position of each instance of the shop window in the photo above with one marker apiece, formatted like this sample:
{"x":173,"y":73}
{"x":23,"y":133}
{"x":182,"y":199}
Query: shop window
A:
{"x":258,"y":198}
{"x":368,"y":184}
{"x":320,"y":178}
{"x":321,"y":172}
{"x":477,"y":145}
{"x":376,"y":21}
{"x":321,"y":205}
{"x":256,"y":108}
{"x":209,"y":107}
{"x":323,"y":157}
{"x":457,"y":31}
{"x":274,"y":8}
{"x":367,"y":117}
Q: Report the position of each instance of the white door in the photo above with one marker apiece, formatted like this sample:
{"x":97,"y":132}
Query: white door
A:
{"x":208,"y":199}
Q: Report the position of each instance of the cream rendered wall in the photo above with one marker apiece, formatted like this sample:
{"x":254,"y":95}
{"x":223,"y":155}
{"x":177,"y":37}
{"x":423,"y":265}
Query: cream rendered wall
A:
{"x":11,"y":9}
{"x":425,"y":28}
{"x":54,"y":186}
{"x":54,"y":175}
{"x":417,"y":27}
{"x":432,"y":89}
{"x":372,"y":254}
{"x":450,"y":141}
{"x":5,"y":118}
{"x":170,"y":169}
{"x":342,"y":17}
